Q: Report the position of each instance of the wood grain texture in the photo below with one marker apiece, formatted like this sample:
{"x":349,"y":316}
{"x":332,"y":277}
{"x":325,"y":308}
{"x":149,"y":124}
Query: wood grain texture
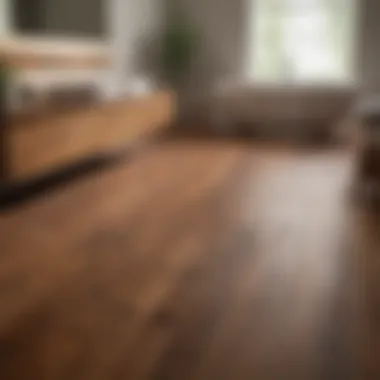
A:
{"x":47,"y":144}
{"x":50,"y":60}
{"x":216,"y":260}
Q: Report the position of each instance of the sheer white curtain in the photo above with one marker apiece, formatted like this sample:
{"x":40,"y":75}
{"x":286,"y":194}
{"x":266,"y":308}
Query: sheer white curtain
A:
{"x":302,"y":41}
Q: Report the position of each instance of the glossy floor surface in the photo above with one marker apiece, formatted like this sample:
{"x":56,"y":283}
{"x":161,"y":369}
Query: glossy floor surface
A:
{"x":194,"y":260}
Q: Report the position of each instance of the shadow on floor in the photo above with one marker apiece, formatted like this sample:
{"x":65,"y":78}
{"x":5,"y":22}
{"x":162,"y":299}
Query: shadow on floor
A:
{"x":16,"y":194}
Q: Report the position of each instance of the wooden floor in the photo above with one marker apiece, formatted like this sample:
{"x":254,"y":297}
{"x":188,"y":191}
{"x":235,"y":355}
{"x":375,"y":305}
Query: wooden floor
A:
{"x":197,"y":260}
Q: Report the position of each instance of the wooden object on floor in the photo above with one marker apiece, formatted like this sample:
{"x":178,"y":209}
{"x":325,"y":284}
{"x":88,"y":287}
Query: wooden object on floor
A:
{"x":308,"y":112}
{"x":370,"y":148}
{"x":54,"y":53}
{"x":22,"y":61}
{"x":368,"y":143}
{"x":197,"y":260}
{"x":37,"y":147}
{"x":370,"y":164}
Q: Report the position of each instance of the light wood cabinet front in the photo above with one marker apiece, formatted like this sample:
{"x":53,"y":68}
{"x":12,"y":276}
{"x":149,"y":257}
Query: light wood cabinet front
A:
{"x":39,"y":147}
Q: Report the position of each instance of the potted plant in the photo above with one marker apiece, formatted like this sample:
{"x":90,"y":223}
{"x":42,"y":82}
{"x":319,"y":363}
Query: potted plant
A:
{"x":179,"y":45}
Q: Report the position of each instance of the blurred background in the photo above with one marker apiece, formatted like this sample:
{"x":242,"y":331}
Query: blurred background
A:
{"x":189,"y":189}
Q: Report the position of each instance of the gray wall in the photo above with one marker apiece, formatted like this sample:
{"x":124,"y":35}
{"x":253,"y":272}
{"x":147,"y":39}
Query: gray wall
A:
{"x":222,"y":26}
{"x":369,"y":46}
{"x":80,"y":16}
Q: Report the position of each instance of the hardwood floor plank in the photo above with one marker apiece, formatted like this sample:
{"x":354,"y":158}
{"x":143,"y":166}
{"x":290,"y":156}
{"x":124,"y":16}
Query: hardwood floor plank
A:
{"x":213,"y":260}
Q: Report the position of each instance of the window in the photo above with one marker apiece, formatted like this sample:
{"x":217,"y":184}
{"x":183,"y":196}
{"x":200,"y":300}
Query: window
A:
{"x":302,"y":41}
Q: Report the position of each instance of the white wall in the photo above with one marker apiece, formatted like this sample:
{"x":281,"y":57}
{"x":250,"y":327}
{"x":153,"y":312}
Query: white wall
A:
{"x":5,"y":17}
{"x":131,"y":23}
